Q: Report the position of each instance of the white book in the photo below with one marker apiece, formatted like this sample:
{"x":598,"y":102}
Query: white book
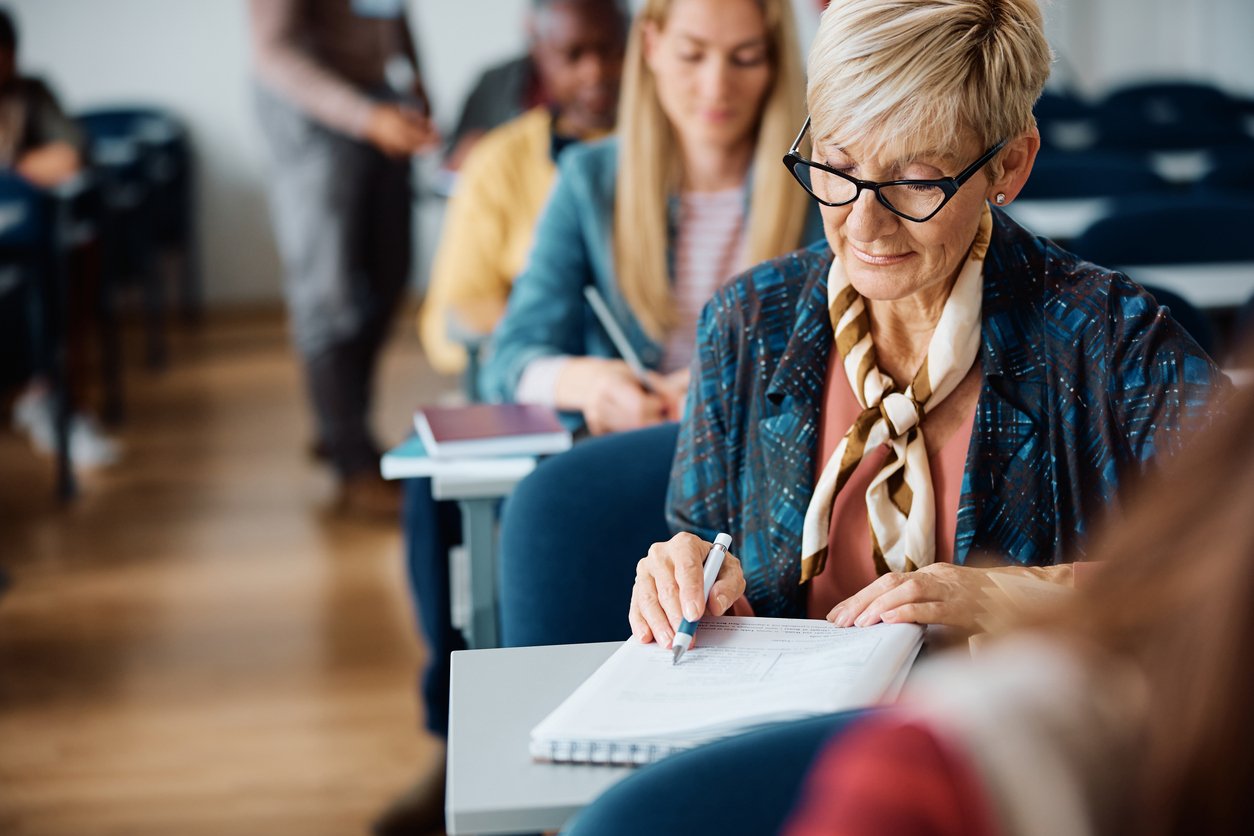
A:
{"x":742,"y":673}
{"x":410,"y":459}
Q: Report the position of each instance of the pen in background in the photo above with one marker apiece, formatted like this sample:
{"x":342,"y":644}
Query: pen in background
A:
{"x":615,"y":332}
{"x":713,"y":562}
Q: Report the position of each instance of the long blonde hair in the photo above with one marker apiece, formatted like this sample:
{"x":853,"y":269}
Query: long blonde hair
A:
{"x":650,"y":170}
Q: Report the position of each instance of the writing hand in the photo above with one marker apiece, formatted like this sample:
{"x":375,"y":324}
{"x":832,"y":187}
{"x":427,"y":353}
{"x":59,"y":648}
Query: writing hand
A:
{"x":669,"y":588}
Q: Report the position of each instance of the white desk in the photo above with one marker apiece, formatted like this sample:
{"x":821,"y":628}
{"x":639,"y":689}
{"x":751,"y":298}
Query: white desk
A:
{"x":495,"y":699}
{"x":1205,"y":285}
{"x":477,"y":486}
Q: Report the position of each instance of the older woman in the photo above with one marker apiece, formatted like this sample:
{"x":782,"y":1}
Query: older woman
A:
{"x":932,"y":382}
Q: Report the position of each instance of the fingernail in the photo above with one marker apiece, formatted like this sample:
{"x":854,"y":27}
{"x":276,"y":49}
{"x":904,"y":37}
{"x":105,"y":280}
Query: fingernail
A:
{"x":690,"y":611}
{"x":720,"y":601}
{"x":843,"y":619}
{"x":862,"y":620}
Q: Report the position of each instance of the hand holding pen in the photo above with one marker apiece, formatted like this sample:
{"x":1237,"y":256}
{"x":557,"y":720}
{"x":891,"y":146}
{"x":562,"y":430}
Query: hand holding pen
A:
{"x":688,"y":627}
{"x":670,"y":587}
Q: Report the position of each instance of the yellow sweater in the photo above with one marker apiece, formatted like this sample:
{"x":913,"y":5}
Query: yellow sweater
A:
{"x":488,"y":228}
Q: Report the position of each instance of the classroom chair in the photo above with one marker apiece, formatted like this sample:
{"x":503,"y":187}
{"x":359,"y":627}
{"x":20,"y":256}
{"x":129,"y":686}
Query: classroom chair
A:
{"x":746,"y":785}
{"x":1065,"y":121}
{"x":1170,"y":115}
{"x":144,"y":162}
{"x":1083,"y":174}
{"x":1176,"y":230}
{"x":1231,"y":173}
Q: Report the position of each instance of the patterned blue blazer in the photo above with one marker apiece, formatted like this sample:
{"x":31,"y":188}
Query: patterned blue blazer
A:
{"x":1085,"y":380}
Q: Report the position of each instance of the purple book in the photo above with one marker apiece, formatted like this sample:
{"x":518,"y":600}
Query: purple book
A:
{"x":485,"y":430}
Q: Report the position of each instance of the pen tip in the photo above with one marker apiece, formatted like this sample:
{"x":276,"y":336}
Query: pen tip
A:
{"x":676,"y":653}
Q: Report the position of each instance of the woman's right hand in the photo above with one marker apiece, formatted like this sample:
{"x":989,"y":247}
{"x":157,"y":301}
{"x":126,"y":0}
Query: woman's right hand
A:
{"x":669,"y":587}
{"x":609,"y":395}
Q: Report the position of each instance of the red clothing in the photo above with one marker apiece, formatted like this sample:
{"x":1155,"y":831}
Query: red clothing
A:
{"x":887,"y":777}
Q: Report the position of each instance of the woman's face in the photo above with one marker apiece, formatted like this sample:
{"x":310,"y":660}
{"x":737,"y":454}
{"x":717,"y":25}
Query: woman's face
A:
{"x":886,"y":256}
{"x":713,"y":69}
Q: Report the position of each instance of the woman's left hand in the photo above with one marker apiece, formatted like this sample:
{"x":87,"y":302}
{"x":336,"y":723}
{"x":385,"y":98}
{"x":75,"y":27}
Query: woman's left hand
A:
{"x":941,"y":593}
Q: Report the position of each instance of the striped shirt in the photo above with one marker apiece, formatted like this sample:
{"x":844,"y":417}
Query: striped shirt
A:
{"x":709,"y":249}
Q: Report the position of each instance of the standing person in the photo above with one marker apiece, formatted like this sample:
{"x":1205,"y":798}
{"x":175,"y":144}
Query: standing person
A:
{"x":577,"y":52}
{"x":341,"y":128}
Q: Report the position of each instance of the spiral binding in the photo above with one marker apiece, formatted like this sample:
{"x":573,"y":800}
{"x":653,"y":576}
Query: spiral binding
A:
{"x":605,"y":751}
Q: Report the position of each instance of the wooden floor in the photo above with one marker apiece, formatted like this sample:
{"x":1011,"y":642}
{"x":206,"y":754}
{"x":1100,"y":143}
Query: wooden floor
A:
{"x":197,"y":645}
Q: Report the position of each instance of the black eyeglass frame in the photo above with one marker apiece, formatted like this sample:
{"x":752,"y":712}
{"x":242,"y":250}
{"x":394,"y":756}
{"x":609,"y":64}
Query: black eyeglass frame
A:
{"x":948,"y":185}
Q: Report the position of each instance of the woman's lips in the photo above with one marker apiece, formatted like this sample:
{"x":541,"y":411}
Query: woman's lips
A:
{"x":879,"y":260}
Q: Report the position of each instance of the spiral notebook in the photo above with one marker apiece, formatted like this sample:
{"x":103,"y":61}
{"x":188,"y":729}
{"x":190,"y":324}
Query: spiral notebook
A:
{"x":743,"y":673}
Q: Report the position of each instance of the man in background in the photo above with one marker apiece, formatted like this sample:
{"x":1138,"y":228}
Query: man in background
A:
{"x":576,"y":48}
{"x":343,"y":109}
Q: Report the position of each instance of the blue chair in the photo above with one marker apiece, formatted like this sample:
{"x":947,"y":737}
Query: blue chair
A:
{"x":743,"y":785}
{"x":1194,"y":321}
{"x":32,"y":255}
{"x":1170,"y":115}
{"x":1065,"y":121}
{"x":1061,"y":175}
{"x":1244,"y":331}
{"x":572,"y":533}
{"x":1232,"y":173}
{"x":143,"y":156}
{"x":1177,"y":230}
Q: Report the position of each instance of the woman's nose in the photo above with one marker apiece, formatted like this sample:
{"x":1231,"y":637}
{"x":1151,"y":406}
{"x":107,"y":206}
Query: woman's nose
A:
{"x":716,"y":80}
{"x":868,"y":219}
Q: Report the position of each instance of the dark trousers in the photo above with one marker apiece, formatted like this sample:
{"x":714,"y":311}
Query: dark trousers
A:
{"x":743,"y":785}
{"x":572,"y":533}
{"x":431,"y":528}
{"x":342,"y":219}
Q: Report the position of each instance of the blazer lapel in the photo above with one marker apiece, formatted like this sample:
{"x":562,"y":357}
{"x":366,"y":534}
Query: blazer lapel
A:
{"x":788,"y":431}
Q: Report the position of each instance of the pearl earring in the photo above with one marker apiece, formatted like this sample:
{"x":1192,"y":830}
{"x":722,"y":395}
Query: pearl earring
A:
{"x":1001,"y":198}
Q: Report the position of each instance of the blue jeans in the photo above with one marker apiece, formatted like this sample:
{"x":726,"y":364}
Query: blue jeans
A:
{"x":431,"y":528}
{"x":742,"y":785}
{"x":572,"y":533}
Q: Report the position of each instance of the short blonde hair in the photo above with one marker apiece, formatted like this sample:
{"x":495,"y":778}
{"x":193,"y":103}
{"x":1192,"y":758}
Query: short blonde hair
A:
{"x":649,"y":168}
{"x":917,"y":76}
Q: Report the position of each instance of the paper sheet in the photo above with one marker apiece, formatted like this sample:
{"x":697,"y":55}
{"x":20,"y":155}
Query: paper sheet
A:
{"x":741,"y":672}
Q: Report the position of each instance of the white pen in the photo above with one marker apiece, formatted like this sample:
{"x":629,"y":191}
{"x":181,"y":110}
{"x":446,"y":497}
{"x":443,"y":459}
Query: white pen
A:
{"x":615,"y":332}
{"x":713,"y":562}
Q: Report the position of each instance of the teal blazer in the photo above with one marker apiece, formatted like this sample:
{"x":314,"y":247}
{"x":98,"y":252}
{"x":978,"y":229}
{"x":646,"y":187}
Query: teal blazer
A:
{"x":547,"y":313}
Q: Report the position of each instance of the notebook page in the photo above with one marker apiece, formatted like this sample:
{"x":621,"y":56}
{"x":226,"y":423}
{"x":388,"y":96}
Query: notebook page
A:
{"x":742,"y":672}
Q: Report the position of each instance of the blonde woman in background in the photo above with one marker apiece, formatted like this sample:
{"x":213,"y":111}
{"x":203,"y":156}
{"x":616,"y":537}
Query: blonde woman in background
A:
{"x":657,"y":218}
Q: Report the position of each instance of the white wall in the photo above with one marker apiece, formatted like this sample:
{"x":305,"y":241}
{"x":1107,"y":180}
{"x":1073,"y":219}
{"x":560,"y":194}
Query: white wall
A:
{"x":191,"y":56}
{"x":1106,"y":43}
